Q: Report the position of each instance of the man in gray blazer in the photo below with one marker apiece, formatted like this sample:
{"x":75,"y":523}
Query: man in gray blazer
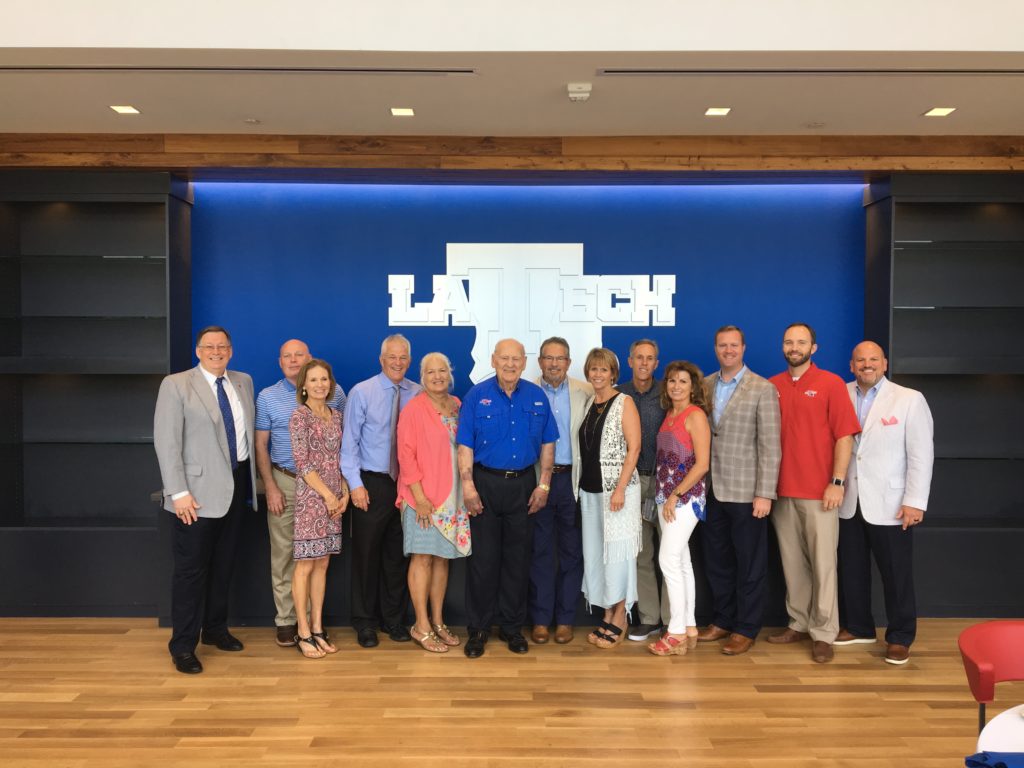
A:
{"x":553,"y":597}
{"x":745,"y":456}
{"x":203,"y":436}
{"x":888,"y":483}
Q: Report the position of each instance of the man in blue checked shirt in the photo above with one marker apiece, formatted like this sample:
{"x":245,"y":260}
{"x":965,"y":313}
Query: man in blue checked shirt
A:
{"x":276,"y":465}
{"x":505,"y":426}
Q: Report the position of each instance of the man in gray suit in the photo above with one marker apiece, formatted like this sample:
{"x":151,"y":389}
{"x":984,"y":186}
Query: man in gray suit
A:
{"x":553,"y":597}
{"x":203,"y":435}
{"x":745,"y":457}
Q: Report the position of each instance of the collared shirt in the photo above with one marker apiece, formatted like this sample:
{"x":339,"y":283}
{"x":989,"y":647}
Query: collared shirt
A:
{"x":366,"y":441}
{"x":274,"y":408}
{"x":558,"y":398}
{"x":506,"y":432}
{"x":866,"y":400}
{"x":241,"y":439}
{"x":651,"y":416}
{"x":724,"y":391}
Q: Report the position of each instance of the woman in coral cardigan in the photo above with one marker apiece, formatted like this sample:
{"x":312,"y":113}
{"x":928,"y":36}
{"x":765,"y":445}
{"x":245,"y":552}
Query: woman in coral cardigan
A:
{"x":434,"y":519}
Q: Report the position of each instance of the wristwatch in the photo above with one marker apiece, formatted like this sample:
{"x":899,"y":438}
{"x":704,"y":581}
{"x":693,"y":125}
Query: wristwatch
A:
{"x":544,"y":487}
{"x":838,"y":481}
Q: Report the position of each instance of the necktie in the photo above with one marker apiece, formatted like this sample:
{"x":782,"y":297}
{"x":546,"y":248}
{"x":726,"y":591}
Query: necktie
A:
{"x":393,"y":465}
{"x":229,"y":421}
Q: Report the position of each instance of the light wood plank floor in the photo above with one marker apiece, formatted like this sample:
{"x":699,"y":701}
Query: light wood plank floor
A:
{"x":103,"y":692}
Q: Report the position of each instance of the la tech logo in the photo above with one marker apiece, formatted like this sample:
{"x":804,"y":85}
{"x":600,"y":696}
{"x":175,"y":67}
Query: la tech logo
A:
{"x":530,"y":291}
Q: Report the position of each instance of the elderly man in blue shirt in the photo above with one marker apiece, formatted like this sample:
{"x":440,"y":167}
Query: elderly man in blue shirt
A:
{"x":505,"y":427}
{"x":369,"y":462}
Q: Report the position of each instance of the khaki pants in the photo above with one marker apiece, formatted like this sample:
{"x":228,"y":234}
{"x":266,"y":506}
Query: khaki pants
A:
{"x":652,"y":610}
{"x":282,"y":566}
{"x":808,"y":538}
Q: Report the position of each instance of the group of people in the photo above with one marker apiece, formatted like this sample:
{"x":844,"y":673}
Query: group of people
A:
{"x":549,"y":488}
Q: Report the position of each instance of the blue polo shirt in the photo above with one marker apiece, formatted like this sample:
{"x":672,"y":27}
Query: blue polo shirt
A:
{"x":506,"y":432}
{"x":274,"y":408}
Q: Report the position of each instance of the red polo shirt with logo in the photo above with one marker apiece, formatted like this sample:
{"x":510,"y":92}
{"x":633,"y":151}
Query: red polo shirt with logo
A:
{"x":816,"y":412}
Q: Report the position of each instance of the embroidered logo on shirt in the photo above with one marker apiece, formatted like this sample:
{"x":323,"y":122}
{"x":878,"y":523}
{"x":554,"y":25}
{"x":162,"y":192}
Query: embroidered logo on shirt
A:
{"x":485,"y":401}
{"x":891,"y":421}
{"x":811,"y":392}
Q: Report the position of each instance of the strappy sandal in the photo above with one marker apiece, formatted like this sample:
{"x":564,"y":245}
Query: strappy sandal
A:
{"x":310,"y":642}
{"x":667,"y":645}
{"x":612,"y":637}
{"x":446,"y":636}
{"x":600,"y":633}
{"x":321,"y":637}
{"x":428,"y":641}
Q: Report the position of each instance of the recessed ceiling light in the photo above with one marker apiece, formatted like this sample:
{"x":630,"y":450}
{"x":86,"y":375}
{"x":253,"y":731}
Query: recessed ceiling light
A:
{"x":717,"y":111}
{"x":402,"y":112}
{"x":125,"y":109}
{"x":940,"y":111}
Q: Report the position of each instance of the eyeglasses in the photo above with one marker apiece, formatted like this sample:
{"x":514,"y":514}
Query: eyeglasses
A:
{"x":215,"y":347}
{"x":554,"y":359}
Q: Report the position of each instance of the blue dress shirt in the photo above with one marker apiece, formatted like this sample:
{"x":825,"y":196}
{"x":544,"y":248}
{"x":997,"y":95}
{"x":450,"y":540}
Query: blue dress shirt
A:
{"x":366,"y":440}
{"x":724,"y":391}
{"x":506,"y":432}
{"x":558,"y":399}
{"x":866,"y":400}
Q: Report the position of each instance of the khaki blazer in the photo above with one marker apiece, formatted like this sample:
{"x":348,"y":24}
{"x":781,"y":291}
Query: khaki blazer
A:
{"x":746,"y":447}
{"x":579,"y":393}
{"x":190,"y":442}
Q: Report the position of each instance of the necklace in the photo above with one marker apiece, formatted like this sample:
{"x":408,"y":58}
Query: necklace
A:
{"x":671,"y":418}
{"x":591,"y":422}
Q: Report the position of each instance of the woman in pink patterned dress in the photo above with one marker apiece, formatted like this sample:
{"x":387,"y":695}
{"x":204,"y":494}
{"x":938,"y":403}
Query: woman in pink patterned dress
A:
{"x":321,"y":495}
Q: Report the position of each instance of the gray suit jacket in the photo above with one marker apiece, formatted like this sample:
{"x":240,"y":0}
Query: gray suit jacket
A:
{"x":191,"y":445}
{"x":746,"y":447}
{"x":579,"y":393}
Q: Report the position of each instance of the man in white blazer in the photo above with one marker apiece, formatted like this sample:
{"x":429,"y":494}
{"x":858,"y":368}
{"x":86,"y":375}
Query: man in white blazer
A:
{"x":553,"y":596}
{"x":203,"y":436}
{"x":888,"y":483}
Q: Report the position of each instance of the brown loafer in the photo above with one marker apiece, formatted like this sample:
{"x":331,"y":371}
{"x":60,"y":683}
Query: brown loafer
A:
{"x":737,"y":644}
{"x":712,"y":633}
{"x":822,"y":652}
{"x":563,"y":634}
{"x":540,"y":634}
{"x":897,"y":654}
{"x":286,"y":635}
{"x":787,"y":636}
{"x":846,"y":637}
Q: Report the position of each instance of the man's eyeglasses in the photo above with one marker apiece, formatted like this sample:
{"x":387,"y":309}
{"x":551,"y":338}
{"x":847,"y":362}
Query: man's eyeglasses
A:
{"x":554,"y":359}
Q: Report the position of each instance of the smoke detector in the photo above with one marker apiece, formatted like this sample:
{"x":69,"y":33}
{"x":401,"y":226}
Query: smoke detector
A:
{"x":579,"y":91}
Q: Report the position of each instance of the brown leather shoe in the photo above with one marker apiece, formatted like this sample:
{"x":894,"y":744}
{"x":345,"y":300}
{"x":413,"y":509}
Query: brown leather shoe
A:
{"x":822,"y":652}
{"x":712,"y":633}
{"x":788,"y":636}
{"x":286,"y":635}
{"x":845,"y":637}
{"x":563,"y":634}
{"x":540,"y":634}
{"x":737,"y":644}
{"x":897,"y":654}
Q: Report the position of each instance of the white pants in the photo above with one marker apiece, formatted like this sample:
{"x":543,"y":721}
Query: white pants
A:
{"x":674,"y":557}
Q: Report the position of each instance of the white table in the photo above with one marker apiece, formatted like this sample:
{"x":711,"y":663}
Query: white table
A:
{"x":1004,"y":732}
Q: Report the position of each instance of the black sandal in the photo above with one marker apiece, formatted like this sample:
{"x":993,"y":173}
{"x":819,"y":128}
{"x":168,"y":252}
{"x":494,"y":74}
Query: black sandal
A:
{"x":601,"y":633}
{"x":308,"y":641}
{"x":322,"y":636}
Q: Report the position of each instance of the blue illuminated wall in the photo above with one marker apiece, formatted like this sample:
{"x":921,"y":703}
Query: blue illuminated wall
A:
{"x":274,"y":261}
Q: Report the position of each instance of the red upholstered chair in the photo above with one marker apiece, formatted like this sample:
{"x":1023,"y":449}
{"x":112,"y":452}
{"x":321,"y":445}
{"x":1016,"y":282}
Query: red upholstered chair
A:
{"x":992,"y":652}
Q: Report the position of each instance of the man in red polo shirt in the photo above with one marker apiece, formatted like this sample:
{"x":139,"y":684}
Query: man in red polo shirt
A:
{"x":818,"y":425}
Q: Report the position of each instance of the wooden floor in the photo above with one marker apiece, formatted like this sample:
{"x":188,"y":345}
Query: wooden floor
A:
{"x":103,"y":692}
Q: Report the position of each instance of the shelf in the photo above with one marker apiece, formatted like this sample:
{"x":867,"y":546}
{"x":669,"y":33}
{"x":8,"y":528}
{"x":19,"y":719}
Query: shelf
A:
{"x":959,"y":275}
{"x":143,"y":440}
{"x":94,"y":257}
{"x":83,"y":365}
{"x":965,"y":366}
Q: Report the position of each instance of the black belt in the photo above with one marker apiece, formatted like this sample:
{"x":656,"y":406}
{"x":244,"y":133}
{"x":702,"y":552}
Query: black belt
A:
{"x":508,"y":474}
{"x":284,"y":471}
{"x":377,"y":474}
{"x":645,"y":472}
{"x":558,"y":468}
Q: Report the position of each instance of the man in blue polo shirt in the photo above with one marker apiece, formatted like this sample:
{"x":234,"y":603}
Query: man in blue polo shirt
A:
{"x":505,"y":426}
{"x":274,"y":460}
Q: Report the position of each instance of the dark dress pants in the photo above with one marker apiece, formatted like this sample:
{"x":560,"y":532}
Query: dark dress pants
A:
{"x":893,"y":549}
{"x":204,"y":557}
{"x":380,"y":591}
{"x":555,"y":591}
{"x":497,"y":573}
{"x":736,"y":561}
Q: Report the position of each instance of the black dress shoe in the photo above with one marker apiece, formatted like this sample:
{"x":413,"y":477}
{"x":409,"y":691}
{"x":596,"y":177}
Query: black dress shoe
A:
{"x":186,"y":663}
{"x":516,"y":642}
{"x":367,"y":638}
{"x":398,"y":633}
{"x":226,"y":642}
{"x":474,"y":647}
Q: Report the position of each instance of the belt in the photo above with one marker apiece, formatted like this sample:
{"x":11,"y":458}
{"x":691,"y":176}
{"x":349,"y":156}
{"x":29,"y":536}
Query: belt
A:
{"x":508,"y":474}
{"x":558,"y":468}
{"x":376,"y":474}
{"x":645,"y":472}
{"x":284,"y":471}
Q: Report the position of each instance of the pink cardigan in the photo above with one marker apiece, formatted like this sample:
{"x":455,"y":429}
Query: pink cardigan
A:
{"x":424,"y":452}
